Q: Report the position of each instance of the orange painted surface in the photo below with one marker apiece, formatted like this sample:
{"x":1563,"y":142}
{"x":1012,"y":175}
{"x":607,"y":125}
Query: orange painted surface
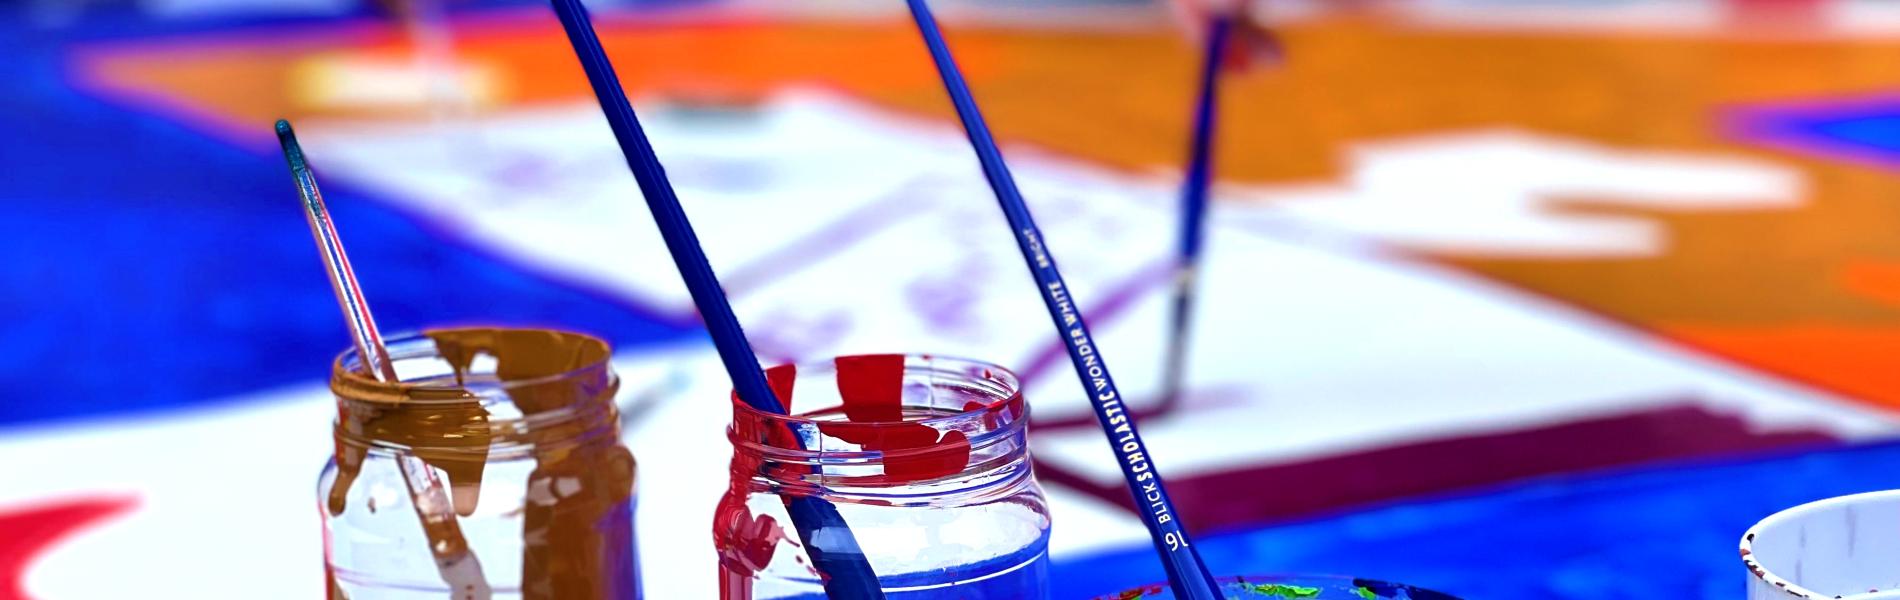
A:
{"x":243,"y":81}
{"x":1876,"y":280}
{"x":1811,"y":292}
{"x":1858,"y":362}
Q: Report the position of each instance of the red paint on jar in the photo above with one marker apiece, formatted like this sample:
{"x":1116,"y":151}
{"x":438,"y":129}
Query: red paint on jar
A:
{"x":872,"y":387}
{"x":746,"y":544}
{"x":781,"y":379}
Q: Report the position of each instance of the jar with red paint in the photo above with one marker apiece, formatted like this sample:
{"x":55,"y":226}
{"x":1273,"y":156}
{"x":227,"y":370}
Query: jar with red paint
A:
{"x":925,"y":459}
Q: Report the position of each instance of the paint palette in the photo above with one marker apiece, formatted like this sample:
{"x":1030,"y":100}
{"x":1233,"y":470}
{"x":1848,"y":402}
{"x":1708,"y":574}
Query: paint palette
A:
{"x":1297,"y":586}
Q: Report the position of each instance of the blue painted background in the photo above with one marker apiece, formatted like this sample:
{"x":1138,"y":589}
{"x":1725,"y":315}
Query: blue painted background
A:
{"x":149,"y":267}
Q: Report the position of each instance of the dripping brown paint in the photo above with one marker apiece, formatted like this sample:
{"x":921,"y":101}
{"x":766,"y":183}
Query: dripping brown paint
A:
{"x":579,"y":486}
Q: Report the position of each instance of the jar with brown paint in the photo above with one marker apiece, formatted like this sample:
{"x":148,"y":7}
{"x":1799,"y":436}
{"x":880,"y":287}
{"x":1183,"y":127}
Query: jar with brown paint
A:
{"x":492,"y":469}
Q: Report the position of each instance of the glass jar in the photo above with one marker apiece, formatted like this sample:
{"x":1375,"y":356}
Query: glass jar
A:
{"x":926,"y":460}
{"x":494,"y":468}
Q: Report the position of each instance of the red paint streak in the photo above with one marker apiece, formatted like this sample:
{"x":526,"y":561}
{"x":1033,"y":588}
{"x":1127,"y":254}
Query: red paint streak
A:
{"x":781,"y":379}
{"x":1250,"y":46}
{"x":872,"y":387}
{"x":752,"y":424}
{"x":27,"y":532}
{"x":872,"y":390}
{"x":746,"y":544}
{"x":912,"y":451}
{"x":947,"y":456}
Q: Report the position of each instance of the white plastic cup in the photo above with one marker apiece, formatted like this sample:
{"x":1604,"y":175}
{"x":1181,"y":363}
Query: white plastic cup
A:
{"x":1846,"y":547}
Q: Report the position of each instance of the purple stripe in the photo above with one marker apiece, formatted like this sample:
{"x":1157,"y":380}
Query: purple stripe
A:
{"x":1118,"y":300}
{"x":1277,"y":492}
{"x":832,"y":239}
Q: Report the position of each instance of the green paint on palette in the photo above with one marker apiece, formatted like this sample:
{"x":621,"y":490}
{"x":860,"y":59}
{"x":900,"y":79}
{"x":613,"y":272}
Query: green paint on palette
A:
{"x":1365,"y":592}
{"x":1281,"y":590}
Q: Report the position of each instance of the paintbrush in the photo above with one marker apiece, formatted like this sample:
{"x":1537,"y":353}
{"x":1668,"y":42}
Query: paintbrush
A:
{"x":835,"y":553}
{"x":1186,"y":574}
{"x":456,"y":561}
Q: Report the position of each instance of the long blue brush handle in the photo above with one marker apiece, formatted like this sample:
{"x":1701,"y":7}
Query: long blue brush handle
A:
{"x":1200,"y":162}
{"x":1186,"y":574}
{"x":848,"y":574}
{"x":741,"y":364}
{"x":1194,"y":193}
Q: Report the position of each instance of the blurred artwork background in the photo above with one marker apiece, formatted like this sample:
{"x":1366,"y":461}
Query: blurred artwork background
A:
{"x":1513,"y":299}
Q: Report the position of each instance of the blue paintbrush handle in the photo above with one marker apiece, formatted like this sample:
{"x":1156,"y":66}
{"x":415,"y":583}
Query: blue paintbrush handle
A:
{"x":843,"y":564}
{"x":734,"y":351}
{"x":836,"y":553}
{"x":1194,"y":193}
{"x":1186,"y":574}
{"x":1201,"y":153}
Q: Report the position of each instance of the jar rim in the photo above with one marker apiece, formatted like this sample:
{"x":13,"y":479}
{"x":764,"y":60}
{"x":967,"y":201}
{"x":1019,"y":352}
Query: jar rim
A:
{"x":892,"y":421}
{"x":418,"y":344}
{"x":1007,"y":397}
